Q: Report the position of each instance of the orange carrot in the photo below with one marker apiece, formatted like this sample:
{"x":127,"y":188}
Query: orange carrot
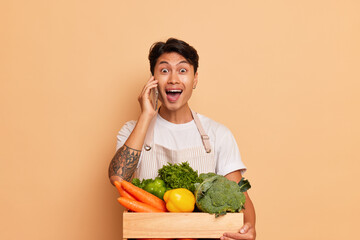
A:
{"x":136,"y":206}
{"x":144,"y":196}
{"x":122,"y":192}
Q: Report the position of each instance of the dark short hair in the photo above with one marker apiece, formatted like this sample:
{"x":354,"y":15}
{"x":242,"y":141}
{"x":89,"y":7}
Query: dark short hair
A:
{"x":173,"y":45}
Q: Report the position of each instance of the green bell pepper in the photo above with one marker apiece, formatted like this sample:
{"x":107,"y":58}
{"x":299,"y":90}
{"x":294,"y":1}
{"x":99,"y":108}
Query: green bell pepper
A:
{"x":156,"y":187}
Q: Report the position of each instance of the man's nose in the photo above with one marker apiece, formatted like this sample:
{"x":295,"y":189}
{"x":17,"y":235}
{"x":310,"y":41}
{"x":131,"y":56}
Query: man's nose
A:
{"x":173,"y":78}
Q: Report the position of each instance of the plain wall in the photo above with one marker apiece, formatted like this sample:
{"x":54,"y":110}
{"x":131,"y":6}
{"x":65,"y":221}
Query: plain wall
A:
{"x":282,"y":75}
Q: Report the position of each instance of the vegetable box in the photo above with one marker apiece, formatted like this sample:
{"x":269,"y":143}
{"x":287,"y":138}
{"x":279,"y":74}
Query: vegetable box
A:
{"x":179,"y":225}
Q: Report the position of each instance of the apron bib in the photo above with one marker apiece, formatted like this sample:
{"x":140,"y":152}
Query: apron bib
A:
{"x":154,"y":156}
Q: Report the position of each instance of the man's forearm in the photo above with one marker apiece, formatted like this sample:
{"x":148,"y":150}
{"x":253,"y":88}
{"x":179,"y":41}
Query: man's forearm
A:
{"x":124,"y":163}
{"x":249,"y":211}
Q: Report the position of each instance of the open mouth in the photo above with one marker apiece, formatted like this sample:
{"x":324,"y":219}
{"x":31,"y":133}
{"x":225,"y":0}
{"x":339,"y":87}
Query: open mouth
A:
{"x":173,"y":94}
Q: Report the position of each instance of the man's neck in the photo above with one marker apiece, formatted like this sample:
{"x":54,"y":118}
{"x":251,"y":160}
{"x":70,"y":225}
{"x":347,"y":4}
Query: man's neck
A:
{"x":180,"y":116}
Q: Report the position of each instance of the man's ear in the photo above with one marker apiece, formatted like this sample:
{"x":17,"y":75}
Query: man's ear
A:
{"x":195,"y":80}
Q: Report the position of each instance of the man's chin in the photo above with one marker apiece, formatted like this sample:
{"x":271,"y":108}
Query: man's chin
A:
{"x":171,"y":107}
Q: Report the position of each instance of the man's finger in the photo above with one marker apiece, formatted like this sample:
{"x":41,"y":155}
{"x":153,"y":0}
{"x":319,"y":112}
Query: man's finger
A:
{"x":147,"y":83}
{"x":151,"y":78}
{"x":245,"y":228}
{"x":227,"y":236}
{"x":148,"y":86}
{"x":230,"y":236}
{"x":244,"y":233}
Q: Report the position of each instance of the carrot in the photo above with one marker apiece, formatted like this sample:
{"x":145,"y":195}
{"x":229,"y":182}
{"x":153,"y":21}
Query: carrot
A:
{"x":136,"y":206}
{"x":122,"y":192}
{"x":144,"y":196}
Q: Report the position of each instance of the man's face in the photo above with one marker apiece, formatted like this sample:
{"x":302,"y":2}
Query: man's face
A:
{"x":176,"y":80}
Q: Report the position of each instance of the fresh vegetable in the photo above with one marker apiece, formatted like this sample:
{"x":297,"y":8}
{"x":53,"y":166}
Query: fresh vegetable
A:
{"x":179,"y":176}
{"x":216,"y":194}
{"x":122,"y":192}
{"x":156,"y":187}
{"x":179,"y":200}
{"x":204,"y":176}
{"x":144,"y":196}
{"x":244,"y":185}
{"x":137,"y":206}
{"x":142,"y":183}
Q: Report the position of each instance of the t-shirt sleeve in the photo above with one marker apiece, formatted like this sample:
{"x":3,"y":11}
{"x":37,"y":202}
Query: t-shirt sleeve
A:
{"x":227,"y":153}
{"x":124,"y":133}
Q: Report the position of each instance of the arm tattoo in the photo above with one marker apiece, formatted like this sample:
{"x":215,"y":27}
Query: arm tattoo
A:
{"x":124,"y":162}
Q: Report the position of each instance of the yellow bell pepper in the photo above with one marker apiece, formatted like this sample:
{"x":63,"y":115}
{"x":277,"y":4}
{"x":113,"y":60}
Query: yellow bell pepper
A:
{"x":179,"y":200}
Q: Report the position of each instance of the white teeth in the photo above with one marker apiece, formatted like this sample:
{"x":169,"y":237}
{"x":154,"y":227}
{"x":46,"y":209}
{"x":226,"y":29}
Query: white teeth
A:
{"x":174,"y":91}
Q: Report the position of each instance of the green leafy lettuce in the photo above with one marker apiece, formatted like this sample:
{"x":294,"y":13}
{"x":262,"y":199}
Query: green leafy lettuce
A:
{"x":179,"y":176}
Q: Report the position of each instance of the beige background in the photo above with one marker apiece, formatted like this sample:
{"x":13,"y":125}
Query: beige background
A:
{"x":282,"y":75}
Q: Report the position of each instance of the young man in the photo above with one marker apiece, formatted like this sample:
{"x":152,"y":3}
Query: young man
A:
{"x":175,"y":133}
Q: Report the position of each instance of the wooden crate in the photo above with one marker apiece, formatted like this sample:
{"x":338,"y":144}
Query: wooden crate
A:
{"x":179,"y":225}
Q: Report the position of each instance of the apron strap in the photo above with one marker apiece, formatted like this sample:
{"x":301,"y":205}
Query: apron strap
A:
{"x":204,"y":137}
{"x":149,"y":138}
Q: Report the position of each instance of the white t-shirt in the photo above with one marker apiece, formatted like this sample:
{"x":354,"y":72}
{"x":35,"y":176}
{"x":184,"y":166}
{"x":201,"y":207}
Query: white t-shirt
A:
{"x":181,"y":136}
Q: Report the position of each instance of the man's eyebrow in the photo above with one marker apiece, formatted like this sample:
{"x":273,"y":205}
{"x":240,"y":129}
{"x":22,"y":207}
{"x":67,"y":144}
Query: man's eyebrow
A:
{"x":183,"y":61}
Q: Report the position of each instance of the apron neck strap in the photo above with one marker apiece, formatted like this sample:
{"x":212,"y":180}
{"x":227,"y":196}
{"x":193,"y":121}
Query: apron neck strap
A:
{"x":204,"y":137}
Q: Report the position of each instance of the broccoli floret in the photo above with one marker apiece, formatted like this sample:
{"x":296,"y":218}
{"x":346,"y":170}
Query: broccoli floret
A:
{"x":218,"y":195}
{"x":204,"y":176}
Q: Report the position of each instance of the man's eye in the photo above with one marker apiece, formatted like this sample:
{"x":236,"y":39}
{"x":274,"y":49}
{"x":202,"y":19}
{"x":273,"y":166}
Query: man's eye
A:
{"x":164,"y":70}
{"x":183,"y":70}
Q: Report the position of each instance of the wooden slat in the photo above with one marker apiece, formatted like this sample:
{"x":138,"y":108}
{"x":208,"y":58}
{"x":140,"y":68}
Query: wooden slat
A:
{"x":179,"y":225}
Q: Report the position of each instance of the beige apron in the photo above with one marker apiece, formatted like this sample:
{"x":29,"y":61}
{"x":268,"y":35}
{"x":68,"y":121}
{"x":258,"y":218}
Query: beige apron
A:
{"x":154,"y":156}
